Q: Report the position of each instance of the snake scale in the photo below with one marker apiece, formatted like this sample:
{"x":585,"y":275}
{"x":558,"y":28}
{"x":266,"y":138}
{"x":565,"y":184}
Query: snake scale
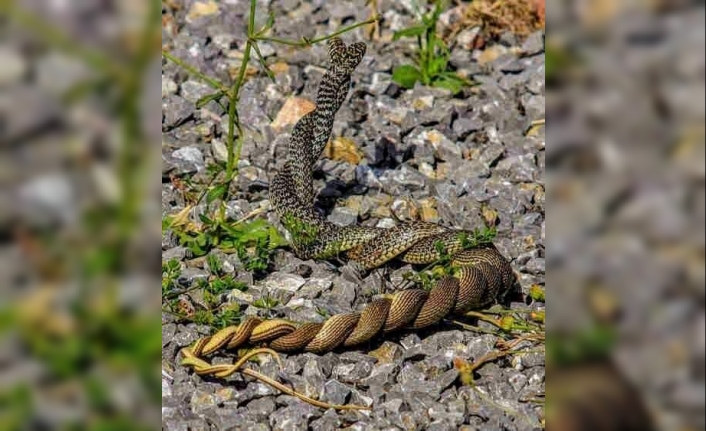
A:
{"x":480,"y":275}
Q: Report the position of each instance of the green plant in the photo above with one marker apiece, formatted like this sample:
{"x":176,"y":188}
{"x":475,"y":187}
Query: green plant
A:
{"x":252,"y":241}
{"x":218,"y":319}
{"x":302,"y":233}
{"x":478,"y":237}
{"x":536,"y":292}
{"x":214,"y":288}
{"x":426,"y":278}
{"x":266,"y":302}
{"x":171,"y":270}
{"x":323,"y":312}
{"x":227,"y":317}
{"x":214,"y":265}
{"x":211,"y":311}
{"x":432,"y":59}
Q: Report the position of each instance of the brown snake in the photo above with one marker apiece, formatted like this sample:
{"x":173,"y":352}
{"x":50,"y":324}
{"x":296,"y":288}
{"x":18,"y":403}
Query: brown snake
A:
{"x":480,"y":273}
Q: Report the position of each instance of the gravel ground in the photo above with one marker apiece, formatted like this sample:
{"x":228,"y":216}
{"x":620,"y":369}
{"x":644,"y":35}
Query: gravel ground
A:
{"x":421,"y":153}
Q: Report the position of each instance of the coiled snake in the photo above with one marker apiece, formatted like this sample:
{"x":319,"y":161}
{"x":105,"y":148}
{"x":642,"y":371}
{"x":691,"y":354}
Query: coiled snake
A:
{"x":480,"y":275}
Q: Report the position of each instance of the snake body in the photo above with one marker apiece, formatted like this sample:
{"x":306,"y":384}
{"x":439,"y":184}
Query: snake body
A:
{"x":481,"y":274}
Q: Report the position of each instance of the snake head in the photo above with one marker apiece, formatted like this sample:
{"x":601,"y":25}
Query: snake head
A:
{"x":344,"y":59}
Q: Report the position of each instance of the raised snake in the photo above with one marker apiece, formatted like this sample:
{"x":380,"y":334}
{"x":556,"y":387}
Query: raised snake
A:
{"x":586,"y":396}
{"x":480,"y":274}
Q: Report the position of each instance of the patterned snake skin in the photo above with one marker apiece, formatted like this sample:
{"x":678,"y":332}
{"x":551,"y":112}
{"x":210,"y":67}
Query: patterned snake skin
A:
{"x":481,"y":274}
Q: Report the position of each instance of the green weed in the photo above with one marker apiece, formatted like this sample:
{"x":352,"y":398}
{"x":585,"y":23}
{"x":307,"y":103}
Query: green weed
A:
{"x":253,"y":241}
{"x":432,"y":60}
{"x":323,"y":312}
{"x":267,"y":302}
{"x":478,"y":237}
{"x":211,"y":312}
{"x":171,"y":270}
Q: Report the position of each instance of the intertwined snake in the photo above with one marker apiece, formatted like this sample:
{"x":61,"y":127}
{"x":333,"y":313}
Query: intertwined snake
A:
{"x":480,"y":274}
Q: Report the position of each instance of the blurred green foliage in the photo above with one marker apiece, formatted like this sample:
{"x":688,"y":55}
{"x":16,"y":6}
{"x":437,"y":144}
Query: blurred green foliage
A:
{"x":557,"y":61}
{"x":16,"y":407}
{"x":94,"y":338}
{"x":593,"y":342}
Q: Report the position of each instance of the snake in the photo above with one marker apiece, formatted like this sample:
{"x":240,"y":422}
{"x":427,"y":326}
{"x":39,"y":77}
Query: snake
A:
{"x":480,"y":275}
{"x":592,"y":396}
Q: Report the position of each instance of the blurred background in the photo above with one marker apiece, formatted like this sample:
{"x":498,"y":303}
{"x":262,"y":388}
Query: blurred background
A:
{"x":625,"y":217}
{"x":79,"y":215}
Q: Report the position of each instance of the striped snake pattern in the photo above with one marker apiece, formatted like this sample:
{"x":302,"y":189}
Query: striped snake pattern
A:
{"x":480,"y":274}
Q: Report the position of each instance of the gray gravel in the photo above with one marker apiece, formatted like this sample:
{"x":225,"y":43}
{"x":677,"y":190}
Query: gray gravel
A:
{"x":425,"y":154}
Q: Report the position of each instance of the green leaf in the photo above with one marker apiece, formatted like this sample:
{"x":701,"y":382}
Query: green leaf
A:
{"x":406,"y":76}
{"x":173,"y":265}
{"x":196,"y":250}
{"x":201,"y":240}
{"x":209,"y":97}
{"x":214,"y":265}
{"x":216,"y":193}
{"x":417,"y":30}
{"x":276,"y":239}
{"x":205,"y":220}
{"x":204,"y":317}
{"x":438,"y":44}
{"x":438,"y":7}
{"x":228,"y":317}
{"x":215,"y":168}
{"x":437,"y":65}
{"x":536,"y":292}
{"x":449,"y":82}
{"x":270,"y":21}
{"x":167,"y":223}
